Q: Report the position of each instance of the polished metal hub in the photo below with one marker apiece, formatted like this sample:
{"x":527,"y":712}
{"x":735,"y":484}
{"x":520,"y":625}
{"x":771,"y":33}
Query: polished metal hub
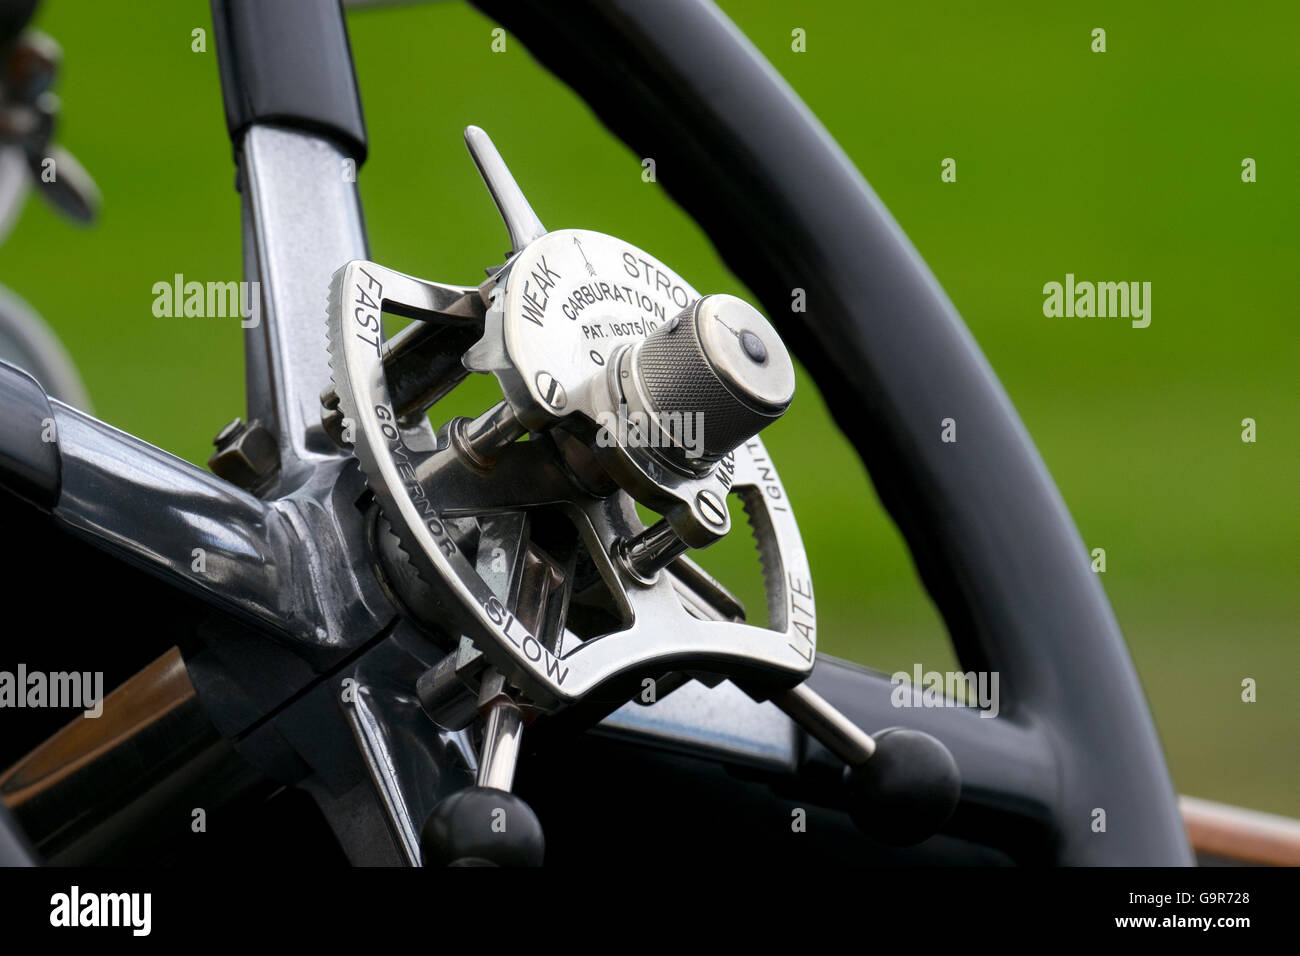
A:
{"x":632,"y":387}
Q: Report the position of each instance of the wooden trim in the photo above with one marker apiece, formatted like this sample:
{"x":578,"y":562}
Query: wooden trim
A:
{"x":1246,"y":835}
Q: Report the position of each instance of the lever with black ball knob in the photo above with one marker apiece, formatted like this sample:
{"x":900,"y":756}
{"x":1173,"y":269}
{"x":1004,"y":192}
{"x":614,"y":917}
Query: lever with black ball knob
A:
{"x":486,"y":824}
{"x":903,"y":784}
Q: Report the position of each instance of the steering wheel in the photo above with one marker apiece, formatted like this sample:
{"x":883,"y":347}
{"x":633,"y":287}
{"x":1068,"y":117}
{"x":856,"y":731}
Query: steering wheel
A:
{"x":990,"y":535}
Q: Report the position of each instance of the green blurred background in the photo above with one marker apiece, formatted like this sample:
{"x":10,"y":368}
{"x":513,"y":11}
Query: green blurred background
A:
{"x":1116,"y":166}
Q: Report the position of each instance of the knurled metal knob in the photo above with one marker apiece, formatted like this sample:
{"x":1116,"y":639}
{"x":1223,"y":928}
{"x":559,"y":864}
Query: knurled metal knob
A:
{"x":719,"y":362}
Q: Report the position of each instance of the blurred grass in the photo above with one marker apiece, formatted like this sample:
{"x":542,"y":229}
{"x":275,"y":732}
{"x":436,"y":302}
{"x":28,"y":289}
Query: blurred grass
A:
{"x":1116,"y":166}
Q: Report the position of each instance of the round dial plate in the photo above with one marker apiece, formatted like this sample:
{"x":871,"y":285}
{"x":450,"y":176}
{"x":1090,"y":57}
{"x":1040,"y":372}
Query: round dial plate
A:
{"x":571,"y":298}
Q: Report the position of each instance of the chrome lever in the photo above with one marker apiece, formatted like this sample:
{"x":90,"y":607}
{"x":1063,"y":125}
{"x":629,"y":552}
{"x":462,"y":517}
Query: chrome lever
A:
{"x":521,"y":222}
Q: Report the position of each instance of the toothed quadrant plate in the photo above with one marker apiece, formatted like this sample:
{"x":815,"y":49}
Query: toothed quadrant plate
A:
{"x":540,"y":321}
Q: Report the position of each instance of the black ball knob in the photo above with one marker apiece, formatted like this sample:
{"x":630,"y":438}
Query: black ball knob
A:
{"x":906,"y":791}
{"x":480,"y":826}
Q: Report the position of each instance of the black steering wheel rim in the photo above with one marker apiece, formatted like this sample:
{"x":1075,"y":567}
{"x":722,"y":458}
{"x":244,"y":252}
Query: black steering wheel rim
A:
{"x":990,"y":535}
